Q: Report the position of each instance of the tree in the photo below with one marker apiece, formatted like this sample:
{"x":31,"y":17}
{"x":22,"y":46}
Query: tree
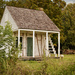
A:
{"x":68,"y":21}
{"x":8,"y":43}
{"x":16,"y":3}
{"x":2,"y":5}
{"x":8,"y":51}
{"x":2,"y":43}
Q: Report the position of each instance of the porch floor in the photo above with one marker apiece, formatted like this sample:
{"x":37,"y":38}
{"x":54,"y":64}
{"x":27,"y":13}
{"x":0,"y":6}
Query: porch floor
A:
{"x":35,"y":58}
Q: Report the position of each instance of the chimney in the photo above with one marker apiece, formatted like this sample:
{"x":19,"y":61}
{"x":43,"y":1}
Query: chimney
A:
{"x":41,"y":9}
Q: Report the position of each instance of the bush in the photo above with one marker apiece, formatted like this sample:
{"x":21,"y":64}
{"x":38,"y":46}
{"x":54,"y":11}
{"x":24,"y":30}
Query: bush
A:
{"x":7,"y":42}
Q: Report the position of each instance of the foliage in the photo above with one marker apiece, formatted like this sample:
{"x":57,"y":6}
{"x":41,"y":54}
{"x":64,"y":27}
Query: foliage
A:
{"x":68,"y":21}
{"x":65,"y":66}
{"x":2,"y":5}
{"x":8,"y":51}
{"x":2,"y":50}
{"x":16,"y":3}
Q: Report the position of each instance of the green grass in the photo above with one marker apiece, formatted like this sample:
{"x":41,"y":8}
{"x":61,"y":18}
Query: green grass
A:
{"x":65,"y":66}
{"x":68,"y":59}
{"x":52,"y":66}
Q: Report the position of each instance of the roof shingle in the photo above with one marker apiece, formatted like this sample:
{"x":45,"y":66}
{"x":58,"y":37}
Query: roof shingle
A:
{"x":32,"y":19}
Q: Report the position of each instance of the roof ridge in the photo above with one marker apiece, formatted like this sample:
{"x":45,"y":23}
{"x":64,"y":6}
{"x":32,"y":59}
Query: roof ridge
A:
{"x":23,"y":8}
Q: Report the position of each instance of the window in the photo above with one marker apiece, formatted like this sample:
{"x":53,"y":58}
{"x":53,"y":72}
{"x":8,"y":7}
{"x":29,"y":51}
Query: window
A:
{"x":17,"y":42}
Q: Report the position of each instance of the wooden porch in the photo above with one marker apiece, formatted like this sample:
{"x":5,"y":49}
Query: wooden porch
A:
{"x":29,"y":58}
{"x":47,"y":40}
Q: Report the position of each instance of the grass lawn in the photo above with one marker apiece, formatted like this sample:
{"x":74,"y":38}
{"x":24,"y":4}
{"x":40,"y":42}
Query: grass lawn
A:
{"x":65,"y":66}
{"x":68,"y":59}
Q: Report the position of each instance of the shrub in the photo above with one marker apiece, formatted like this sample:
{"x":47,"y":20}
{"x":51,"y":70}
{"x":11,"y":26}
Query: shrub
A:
{"x":7,"y":42}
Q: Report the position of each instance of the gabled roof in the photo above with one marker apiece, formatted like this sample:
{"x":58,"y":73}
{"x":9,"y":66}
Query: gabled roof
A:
{"x":32,"y":19}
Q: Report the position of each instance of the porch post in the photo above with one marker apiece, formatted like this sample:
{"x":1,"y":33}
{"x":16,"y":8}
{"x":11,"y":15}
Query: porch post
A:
{"x":24,"y":44}
{"x":59,"y":44}
{"x":47,"y":53}
{"x":18,"y":38}
{"x":33,"y":43}
{"x":47,"y":40}
{"x":19,"y":42}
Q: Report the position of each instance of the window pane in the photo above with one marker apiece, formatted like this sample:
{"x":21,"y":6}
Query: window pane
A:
{"x":17,"y":42}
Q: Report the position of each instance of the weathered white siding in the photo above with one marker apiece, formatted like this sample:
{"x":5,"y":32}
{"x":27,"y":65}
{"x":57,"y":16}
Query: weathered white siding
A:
{"x":40,"y":43}
{"x":7,"y":17}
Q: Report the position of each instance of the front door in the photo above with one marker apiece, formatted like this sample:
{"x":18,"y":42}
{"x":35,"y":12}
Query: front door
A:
{"x":29,"y":46}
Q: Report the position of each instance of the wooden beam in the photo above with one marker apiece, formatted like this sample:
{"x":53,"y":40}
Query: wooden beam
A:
{"x":33,"y":43}
{"x":40,"y":30}
{"x":59,"y":44}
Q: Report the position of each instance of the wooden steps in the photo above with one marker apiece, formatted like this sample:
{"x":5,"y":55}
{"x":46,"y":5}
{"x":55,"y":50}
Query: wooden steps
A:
{"x":51,"y":47}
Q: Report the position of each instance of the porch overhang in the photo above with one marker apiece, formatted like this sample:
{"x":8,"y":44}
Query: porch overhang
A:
{"x":46,"y":38}
{"x":39,"y":30}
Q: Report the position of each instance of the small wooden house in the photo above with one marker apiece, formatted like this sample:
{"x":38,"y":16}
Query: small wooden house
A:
{"x":32,"y":29}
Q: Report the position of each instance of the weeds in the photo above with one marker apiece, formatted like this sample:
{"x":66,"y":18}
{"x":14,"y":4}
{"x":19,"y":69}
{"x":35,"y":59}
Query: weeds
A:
{"x":45,"y":67}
